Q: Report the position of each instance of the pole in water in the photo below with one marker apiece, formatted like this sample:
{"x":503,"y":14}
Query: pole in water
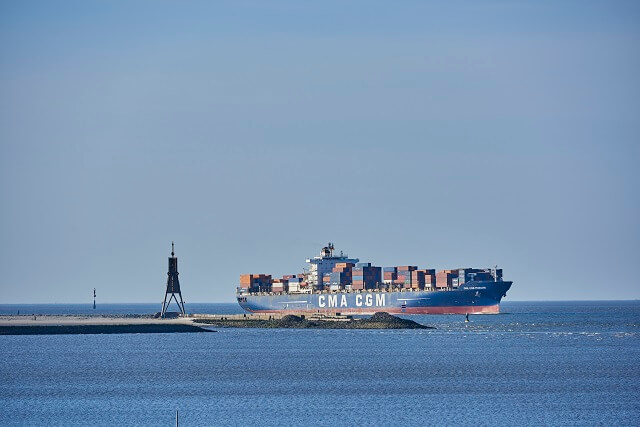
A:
{"x":466,"y":319}
{"x":176,"y":418}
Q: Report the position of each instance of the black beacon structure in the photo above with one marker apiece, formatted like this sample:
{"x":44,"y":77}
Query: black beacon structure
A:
{"x":173,"y":285}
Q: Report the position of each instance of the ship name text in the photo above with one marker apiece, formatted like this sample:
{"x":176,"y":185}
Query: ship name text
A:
{"x":362,"y":300}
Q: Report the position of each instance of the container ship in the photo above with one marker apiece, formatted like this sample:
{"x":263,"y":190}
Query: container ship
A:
{"x":339,"y":284}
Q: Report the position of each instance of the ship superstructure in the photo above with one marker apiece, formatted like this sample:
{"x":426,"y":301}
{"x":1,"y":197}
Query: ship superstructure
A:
{"x":325,"y":263}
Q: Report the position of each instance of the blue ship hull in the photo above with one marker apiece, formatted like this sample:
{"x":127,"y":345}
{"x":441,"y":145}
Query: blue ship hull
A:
{"x":472,"y":297}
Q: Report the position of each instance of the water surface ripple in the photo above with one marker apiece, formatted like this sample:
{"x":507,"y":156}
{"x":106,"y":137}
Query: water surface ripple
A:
{"x":539,"y":363}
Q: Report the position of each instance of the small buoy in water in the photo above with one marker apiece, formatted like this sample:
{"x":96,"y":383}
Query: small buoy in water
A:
{"x":466,"y":319}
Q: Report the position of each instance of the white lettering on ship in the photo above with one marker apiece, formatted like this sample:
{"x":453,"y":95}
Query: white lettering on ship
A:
{"x":366,"y":300}
{"x":333,"y":300}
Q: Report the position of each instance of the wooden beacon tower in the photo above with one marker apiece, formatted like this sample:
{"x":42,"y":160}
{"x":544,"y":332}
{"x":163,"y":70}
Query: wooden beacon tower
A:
{"x":173,"y":285}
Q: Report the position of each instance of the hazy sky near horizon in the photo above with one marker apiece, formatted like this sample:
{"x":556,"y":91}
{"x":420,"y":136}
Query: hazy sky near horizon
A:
{"x":442,"y":134}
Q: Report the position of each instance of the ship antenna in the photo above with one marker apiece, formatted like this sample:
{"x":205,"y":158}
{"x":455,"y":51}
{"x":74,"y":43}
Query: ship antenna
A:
{"x":172,"y":254}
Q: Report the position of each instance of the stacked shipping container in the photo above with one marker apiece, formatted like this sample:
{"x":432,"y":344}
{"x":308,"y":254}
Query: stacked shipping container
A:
{"x":389,"y":275}
{"x":280,"y":285}
{"x":417,"y":279}
{"x":295,"y":284}
{"x":256,"y":282}
{"x":339,"y":277}
{"x":404,"y":276}
{"x":363,"y":276}
{"x":429,"y":278}
{"x":444,"y":278}
{"x":469,"y":274}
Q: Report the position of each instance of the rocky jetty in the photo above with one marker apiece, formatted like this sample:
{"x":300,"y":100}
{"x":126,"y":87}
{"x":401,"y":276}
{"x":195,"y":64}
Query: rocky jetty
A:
{"x":147,"y":324}
{"x":380,"y":320}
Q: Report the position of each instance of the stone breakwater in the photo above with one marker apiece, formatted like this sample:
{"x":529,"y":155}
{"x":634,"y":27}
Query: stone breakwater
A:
{"x":54,"y":325}
{"x":377,"y":321}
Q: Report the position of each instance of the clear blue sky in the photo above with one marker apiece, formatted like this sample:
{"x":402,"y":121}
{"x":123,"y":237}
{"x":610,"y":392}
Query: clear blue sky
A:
{"x":442,"y":134}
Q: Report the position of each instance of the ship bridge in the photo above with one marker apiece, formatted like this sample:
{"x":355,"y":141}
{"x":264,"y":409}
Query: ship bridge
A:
{"x":324,"y":263}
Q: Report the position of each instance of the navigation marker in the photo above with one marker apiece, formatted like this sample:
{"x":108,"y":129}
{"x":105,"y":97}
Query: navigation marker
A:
{"x":173,"y":285}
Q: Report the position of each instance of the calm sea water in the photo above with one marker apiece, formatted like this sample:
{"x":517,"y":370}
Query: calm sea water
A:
{"x":540,"y":363}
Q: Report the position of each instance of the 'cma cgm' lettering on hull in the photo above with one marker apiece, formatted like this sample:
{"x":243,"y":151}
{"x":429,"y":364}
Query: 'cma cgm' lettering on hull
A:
{"x":367,"y":300}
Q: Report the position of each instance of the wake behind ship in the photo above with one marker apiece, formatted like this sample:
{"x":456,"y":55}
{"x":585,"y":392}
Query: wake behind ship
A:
{"x":339,"y":284}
